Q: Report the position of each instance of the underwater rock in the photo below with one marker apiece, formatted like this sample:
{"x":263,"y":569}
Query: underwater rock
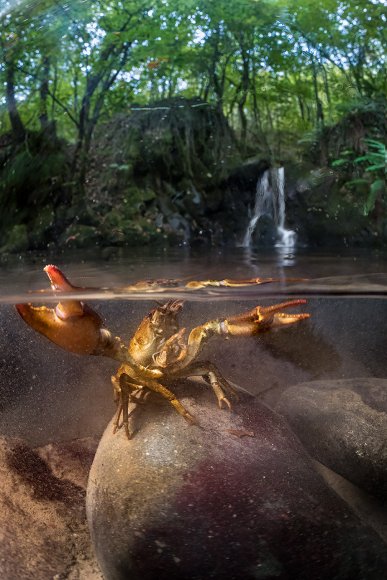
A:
{"x":234,"y":498}
{"x":343,"y":424}
{"x":43,"y":530}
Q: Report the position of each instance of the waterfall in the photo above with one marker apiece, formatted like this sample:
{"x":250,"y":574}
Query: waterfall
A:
{"x":262,"y":206}
{"x":270,"y":200}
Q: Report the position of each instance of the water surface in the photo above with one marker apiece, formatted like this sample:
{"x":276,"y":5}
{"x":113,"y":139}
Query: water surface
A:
{"x":349,"y":273}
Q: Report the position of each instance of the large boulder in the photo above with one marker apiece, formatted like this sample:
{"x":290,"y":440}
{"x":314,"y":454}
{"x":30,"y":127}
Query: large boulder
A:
{"x":343,"y":424}
{"x":235,"y":498}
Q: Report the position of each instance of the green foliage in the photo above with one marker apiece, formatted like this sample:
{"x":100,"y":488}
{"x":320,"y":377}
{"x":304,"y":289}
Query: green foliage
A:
{"x":375,"y":156}
{"x":285,"y":75}
{"x":262,"y":55}
{"x":372,"y":162}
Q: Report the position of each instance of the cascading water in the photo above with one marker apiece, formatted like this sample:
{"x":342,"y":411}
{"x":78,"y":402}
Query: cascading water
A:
{"x":286,"y":238}
{"x":270,"y":200}
{"x":263,"y":205}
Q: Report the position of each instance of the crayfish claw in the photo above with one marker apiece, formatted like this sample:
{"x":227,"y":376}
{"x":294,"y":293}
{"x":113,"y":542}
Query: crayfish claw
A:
{"x":71,"y":325}
{"x":262,"y":318}
{"x":79,"y":334}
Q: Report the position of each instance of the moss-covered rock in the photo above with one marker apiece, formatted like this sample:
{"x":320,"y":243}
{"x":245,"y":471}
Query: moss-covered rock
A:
{"x":41,"y":228}
{"x":34,"y":175}
{"x":80,"y":236}
{"x":16,"y":240}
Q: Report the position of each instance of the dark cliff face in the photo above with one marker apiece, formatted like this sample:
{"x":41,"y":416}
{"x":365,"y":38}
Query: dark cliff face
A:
{"x":163,"y":168}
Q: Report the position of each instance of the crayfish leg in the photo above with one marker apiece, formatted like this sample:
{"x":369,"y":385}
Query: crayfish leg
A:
{"x":167,"y":394}
{"x":218,"y":391}
{"x":214,"y":377}
{"x":125,"y":392}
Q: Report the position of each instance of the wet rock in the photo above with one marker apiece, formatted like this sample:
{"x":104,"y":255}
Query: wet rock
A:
{"x":43,"y":527}
{"x":343,"y":424}
{"x":235,"y":498}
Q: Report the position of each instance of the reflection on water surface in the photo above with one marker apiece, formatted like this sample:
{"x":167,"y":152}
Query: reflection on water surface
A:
{"x":353,"y":272}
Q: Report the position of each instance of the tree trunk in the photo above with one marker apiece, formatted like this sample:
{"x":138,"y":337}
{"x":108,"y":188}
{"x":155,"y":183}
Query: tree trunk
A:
{"x":18,"y":129}
{"x":97,"y":86}
{"x":327,"y":92}
{"x":245,"y":83}
{"x":319,"y":107}
{"x":48,"y":127}
{"x":43,"y":91}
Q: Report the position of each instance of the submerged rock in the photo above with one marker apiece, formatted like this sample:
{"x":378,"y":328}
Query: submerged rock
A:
{"x":343,"y":424}
{"x":236,"y":498}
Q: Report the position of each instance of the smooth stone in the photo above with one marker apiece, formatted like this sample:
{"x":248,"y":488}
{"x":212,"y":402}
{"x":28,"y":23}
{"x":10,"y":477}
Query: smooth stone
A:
{"x":236,"y":498}
{"x":343,"y":424}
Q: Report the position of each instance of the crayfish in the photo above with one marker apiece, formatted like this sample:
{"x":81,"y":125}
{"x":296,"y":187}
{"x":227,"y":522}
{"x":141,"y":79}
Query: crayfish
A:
{"x":159,"y":351}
